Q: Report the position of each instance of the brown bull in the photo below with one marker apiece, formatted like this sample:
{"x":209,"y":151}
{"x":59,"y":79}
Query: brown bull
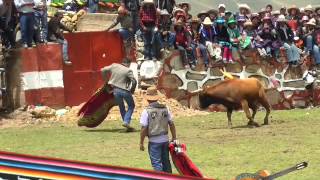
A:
{"x":236,"y":94}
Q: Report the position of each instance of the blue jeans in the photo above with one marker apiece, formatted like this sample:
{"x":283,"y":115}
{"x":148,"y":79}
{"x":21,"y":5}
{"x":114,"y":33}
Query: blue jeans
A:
{"x":148,"y":35}
{"x":309,"y":43}
{"x":41,"y":18}
{"x":292,"y":52}
{"x":27,"y":28}
{"x":125,"y":34}
{"x":93,"y":6}
{"x":168,"y":40}
{"x":120,"y":96}
{"x":159,"y":156}
{"x":204,"y":53}
{"x":64,"y":44}
{"x":316,"y":53}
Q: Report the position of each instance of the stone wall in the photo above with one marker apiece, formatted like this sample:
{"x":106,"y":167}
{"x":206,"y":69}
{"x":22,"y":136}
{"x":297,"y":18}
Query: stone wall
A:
{"x":284,"y":83}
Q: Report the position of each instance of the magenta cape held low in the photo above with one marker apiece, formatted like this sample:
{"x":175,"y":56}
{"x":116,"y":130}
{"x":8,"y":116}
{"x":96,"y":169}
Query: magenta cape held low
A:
{"x":97,"y":108}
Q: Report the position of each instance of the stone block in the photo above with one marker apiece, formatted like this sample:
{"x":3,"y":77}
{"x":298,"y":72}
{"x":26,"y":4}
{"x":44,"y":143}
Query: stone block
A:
{"x":235,"y":68}
{"x":252,"y":68}
{"x":294,"y":84}
{"x":95,"y":22}
{"x":195,"y":76}
{"x":176,"y":63}
{"x":215,"y":72}
{"x":178,"y":94}
{"x":170,"y":81}
{"x":273,"y":96}
{"x":192,"y":86}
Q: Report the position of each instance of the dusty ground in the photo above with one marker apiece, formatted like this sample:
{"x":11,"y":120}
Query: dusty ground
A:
{"x":29,"y":116}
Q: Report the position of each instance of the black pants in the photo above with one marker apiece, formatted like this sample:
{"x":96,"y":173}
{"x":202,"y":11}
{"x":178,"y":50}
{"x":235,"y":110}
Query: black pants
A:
{"x":8,"y":34}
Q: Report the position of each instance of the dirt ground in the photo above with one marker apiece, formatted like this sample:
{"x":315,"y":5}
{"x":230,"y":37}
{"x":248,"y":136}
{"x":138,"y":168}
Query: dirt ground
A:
{"x":40,"y":115}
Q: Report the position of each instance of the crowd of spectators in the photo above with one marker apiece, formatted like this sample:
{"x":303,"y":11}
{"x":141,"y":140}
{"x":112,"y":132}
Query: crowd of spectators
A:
{"x":216,"y":34}
{"x":213,"y":35}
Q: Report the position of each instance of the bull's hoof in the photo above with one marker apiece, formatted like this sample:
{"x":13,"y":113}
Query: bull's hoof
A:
{"x":252,"y":123}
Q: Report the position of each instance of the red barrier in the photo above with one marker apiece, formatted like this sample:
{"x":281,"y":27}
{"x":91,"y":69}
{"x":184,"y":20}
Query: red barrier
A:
{"x":42,"y":75}
{"x":89,"y":52}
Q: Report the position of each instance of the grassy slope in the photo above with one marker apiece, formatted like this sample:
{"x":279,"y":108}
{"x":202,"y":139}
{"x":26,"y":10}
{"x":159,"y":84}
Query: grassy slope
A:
{"x":293,"y":136}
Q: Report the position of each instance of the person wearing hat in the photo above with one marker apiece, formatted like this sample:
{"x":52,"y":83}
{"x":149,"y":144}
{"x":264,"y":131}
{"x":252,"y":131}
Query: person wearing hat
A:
{"x":308,"y":31}
{"x":245,"y":10}
{"x":255,"y":19}
{"x":241,"y":19}
{"x":183,"y":44}
{"x":149,"y":22}
{"x":308,"y":11}
{"x":208,"y":38}
{"x":186,"y":7}
{"x":293,"y":13}
{"x":126,"y":29}
{"x":202,"y":15}
{"x":179,"y":14}
{"x":213,"y":14}
{"x":266,"y":37}
{"x":133,"y":7}
{"x":167,"y":37}
{"x":233,"y":32}
{"x":286,"y":35}
{"x":221,"y":10}
{"x":316,"y":47}
{"x":122,"y":80}
{"x":156,"y":120}
{"x":55,"y":29}
{"x":223,"y":39}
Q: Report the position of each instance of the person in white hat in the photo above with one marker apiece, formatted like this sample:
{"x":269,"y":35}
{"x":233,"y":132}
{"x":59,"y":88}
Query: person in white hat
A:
{"x":309,"y":11}
{"x":208,"y":37}
{"x":221,"y":10}
{"x":156,"y":120}
{"x":244,"y":9}
{"x":166,"y":36}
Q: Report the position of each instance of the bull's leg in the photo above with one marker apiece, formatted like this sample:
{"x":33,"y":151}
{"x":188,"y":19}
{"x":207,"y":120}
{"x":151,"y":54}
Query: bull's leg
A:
{"x":229,"y":113}
{"x":245,"y":107}
{"x":264,"y":102}
{"x":254,"y":111}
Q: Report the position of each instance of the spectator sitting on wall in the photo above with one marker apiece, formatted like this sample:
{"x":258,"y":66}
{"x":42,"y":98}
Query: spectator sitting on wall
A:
{"x":27,"y":20}
{"x":310,"y":77}
{"x":55,"y":34}
{"x":126,"y":30}
{"x":167,"y":37}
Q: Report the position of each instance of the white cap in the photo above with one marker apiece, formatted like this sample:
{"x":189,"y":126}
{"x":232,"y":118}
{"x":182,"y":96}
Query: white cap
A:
{"x":221,"y":5}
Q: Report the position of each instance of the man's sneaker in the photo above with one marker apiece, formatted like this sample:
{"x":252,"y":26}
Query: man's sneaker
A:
{"x":224,"y":60}
{"x":67,"y":62}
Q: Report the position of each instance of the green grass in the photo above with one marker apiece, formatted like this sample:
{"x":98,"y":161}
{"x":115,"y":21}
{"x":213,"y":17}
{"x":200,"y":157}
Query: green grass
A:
{"x":219,"y":152}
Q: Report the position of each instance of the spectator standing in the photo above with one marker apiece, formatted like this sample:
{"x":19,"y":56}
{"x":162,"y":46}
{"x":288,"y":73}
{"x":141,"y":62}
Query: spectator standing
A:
{"x":27,"y":20}
{"x":55,"y":34}
{"x":223,"y":39}
{"x":124,"y":85}
{"x":93,"y":6}
{"x":234,"y":35}
{"x":133,"y":7}
{"x":126,"y":29}
{"x":155,"y":121}
{"x":186,"y":7}
{"x":41,"y":21}
{"x":167,"y":37}
{"x":169,"y":5}
{"x":221,"y":10}
{"x":6,"y":24}
{"x":149,"y":23}
{"x":202,"y":15}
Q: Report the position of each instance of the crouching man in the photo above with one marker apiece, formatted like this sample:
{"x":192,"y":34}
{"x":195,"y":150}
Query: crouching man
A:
{"x":155,"y":121}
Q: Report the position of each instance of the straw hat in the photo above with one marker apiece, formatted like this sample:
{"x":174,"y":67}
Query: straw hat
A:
{"x":308,"y":8}
{"x":152,"y":94}
{"x":293,"y":7}
{"x":281,"y":18}
{"x":245,"y":6}
{"x":247,"y":23}
{"x":312,"y":22}
{"x":202,"y":13}
{"x":275,"y":13}
{"x":207,"y":21}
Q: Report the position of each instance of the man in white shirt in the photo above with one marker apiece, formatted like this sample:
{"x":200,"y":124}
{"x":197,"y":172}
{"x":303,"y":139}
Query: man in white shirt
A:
{"x":155,"y":120}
